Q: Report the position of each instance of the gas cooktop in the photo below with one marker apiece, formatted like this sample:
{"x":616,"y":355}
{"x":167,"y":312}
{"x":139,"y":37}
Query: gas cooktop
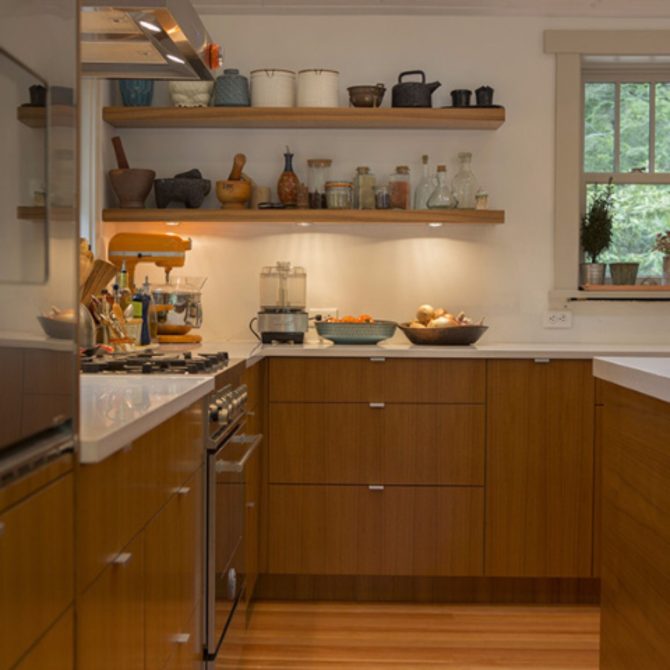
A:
{"x":150,"y":362}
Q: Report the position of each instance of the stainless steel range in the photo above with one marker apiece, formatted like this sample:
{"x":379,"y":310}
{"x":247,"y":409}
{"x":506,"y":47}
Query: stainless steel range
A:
{"x":151,"y":362}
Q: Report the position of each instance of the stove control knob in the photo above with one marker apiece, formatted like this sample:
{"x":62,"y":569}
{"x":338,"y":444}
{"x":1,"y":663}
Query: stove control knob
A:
{"x":224,"y":416}
{"x":213,"y":412}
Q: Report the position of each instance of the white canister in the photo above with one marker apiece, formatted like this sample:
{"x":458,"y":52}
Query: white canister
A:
{"x":318,"y":88}
{"x":272,"y":88}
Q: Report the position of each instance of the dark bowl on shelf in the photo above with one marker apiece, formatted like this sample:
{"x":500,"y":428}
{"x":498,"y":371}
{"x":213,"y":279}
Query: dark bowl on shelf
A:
{"x":366,"y":96}
{"x":187,"y":191}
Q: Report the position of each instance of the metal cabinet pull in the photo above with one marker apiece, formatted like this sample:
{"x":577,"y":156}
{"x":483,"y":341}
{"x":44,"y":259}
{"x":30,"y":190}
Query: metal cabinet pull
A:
{"x":182,"y":490}
{"x":122,"y":558}
{"x":376,"y":487}
{"x":542,"y":360}
{"x":251,"y":505}
{"x":2,"y":528}
{"x":377,"y":359}
{"x":181,"y":638}
{"x":377,"y":405}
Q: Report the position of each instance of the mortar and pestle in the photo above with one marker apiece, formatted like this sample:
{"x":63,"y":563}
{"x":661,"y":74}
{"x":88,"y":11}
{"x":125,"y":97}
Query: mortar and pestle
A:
{"x":131,"y":185}
{"x":235,"y":192}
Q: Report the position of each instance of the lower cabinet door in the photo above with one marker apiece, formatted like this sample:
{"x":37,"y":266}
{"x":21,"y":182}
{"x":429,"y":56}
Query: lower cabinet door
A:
{"x":110,"y":621}
{"x":393,"y":530}
{"x":188,"y":645}
{"x":55,"y":650}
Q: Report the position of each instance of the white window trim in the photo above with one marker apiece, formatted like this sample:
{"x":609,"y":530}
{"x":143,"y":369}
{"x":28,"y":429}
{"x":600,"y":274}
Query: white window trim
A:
{"x":570,"y":47}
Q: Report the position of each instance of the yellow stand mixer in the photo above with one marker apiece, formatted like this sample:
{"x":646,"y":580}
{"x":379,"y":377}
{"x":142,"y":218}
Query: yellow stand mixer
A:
{"x":166,"y":250}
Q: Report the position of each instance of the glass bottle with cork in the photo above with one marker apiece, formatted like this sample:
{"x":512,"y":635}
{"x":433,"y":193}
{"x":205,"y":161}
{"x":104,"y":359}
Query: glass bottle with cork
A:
{"x":364,"y":188}
{"x":442,"y":197}
{"x":399,"y":188}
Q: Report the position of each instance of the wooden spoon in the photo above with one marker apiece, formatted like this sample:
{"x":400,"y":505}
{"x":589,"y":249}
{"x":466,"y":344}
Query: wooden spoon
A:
{"x":121,"y":159}
{"x":238,"y":166}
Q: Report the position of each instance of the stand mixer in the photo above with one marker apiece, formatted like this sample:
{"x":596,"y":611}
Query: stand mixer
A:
{"x":177,"y":303}
{"x":283,"y":299}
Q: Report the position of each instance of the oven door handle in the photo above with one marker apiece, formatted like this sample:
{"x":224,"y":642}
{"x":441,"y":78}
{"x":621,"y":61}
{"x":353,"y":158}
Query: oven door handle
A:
{"x":238,"y":466}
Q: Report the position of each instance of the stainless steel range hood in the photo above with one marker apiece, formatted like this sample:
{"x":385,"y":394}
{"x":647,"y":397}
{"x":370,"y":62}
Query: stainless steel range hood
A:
{"x":146,"y":39}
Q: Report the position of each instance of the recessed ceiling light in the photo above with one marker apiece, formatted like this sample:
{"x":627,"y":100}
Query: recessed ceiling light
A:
{"x":304,"y":224}
{"x":173,"y":223}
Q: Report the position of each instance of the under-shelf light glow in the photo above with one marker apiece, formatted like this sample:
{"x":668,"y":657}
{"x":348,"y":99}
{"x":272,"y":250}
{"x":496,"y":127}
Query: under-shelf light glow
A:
{"x":181,"y":61}
{"x":150,"y":26}
{"x":435,"y":224}
{"x":304,"y":224}
{"x":173,"y":224}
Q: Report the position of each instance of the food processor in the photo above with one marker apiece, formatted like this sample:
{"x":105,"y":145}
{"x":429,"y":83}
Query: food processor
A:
{"x":282,"y":317}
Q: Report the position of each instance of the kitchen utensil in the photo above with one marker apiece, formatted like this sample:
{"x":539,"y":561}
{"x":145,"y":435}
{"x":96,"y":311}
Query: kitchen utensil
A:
{"x":136,"y":92}
{"x":413,"y":93}
{"x":318,"y":88}
{"x":460,"y":97}
{"x":484,"y":96}
{"x":272,"y":88}
{"x":239,"y":161}
{"x":85,"y":261}
{"x":191,"y":93}
{"x":178,"y":305}
{"x":233,"y":194}
{"x":366,"y":96}
{"x":187,"y":188}
{"x":131,"y":186}
{"x":119,"y":152}
{"x":287,"y":185}
{"x":456,"y":336}
{"x":101,"y":274}
{"x":356,"y":333}
{"x":231,"y":89}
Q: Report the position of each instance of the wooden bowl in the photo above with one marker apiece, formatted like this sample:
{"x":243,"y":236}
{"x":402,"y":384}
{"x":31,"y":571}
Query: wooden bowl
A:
{"x":233,"y":194}
{"x":132,"y":186}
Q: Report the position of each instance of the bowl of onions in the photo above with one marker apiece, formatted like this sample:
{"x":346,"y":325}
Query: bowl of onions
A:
{"x":437,"y":327}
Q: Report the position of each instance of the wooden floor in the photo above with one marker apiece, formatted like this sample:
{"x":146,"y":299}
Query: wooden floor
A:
{"x":319,"y":636}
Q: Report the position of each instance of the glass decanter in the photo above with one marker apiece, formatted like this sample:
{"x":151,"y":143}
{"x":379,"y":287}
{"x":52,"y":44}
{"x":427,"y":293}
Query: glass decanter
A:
{"x":464,"y":184}
{"x":425,"y":187}
{"x":442,"y":197}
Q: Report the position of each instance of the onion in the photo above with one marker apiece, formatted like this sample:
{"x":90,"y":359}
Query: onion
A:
{"x":440,"y":322}
{"x":440,"y":311}
{"x":424,"y":314}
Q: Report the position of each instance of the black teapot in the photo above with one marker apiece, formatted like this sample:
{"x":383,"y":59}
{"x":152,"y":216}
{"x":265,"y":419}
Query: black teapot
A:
{"x":413,"y":93}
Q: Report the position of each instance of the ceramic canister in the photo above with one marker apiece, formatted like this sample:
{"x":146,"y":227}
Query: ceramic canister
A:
{"x":136,"y":92}
{"x":191,"y":93}
{"x":318,"y":88}
{"x":231,"y":90}
{"x":272,"y":88}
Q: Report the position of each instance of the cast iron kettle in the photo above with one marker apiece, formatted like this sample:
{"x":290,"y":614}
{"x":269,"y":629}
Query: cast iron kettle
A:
{"x":413,"y":93}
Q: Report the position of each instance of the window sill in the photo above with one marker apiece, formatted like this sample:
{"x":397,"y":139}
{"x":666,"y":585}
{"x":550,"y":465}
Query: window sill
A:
{"x":568,"y":298}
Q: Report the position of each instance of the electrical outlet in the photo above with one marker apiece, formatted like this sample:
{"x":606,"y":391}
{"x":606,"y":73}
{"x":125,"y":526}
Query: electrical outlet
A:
{"x":557,"y":319}
{"x":322,"y":313}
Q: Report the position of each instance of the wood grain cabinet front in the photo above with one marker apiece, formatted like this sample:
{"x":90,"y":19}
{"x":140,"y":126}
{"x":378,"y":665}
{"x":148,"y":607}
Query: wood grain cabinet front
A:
{"x":356,"y":530}
{"x":55,"y":650}
{"x":540,"y":468}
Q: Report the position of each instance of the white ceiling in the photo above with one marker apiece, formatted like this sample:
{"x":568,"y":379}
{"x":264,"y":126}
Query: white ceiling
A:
{"x":592,"y":8}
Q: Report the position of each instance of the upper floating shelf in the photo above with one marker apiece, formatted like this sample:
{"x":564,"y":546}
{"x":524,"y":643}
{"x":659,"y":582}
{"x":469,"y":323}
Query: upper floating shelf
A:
{"x":453,"y":118}
{"x":332,"y":216}
{"x":35,"y":117}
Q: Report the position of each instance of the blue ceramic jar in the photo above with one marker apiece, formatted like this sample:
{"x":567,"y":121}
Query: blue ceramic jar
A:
{"x":136,"y":92}
{"x":231,"y":90}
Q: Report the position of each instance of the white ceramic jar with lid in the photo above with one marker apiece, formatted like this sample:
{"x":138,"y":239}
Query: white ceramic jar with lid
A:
{"x":272,"y":88}
{"x":318,"y":88}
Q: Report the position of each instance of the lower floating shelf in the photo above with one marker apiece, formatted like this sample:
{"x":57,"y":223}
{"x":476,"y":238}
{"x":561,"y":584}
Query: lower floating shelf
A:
{"x":332,"y":216}
{"x":626,"y":288}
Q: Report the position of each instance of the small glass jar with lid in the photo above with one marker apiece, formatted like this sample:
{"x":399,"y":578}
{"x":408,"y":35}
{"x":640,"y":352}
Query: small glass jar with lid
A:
{"x":399,"y":188}
{"x":364,"y":189}
{"x":339,"y":194}
{"x":317,"y":176}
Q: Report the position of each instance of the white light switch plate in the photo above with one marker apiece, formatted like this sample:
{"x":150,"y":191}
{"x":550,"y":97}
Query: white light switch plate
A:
{"x":557,"y":319}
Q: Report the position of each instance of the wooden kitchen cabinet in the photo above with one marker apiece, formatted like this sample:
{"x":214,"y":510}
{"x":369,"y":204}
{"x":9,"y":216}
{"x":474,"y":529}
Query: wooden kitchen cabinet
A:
{"x":55,"y":650}
{"x":252,"y":493}
{"x":110,"y":618}
{"x":36,"y":575}
{"x":352,"y":530}
{"x":540,"y":468}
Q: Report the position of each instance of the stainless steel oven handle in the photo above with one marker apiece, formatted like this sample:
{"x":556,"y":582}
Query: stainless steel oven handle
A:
{"x":238,"y":466}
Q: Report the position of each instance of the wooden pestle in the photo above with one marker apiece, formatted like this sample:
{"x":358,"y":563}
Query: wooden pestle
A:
{"x":238,"y":166}
{"x":121,"y":159}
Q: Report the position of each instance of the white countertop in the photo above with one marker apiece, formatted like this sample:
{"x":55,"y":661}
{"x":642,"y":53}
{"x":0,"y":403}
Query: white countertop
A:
{"x":12,"y":339}
{"x":114,"y":411}
{"x":650,"y":376}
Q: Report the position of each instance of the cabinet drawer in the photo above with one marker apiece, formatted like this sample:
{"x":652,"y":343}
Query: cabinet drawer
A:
{"x":56,"y":649}
{"x":36,"y":576}
{"x":342,"y":443}
{"x":110,"y":621}
{"x":188,"y":644}
{"x":253,"y":378}
{"x":342,"y":530}
{"x":377,"y":379}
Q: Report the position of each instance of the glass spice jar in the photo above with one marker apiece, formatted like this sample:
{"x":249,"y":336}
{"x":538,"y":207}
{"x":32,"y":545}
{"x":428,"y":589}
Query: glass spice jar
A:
{"x":382,"y":198}
{"x":317,"y":176}
{"x":364,"y":189}
{"x":399,"y":188}
{"x":339,"y":194}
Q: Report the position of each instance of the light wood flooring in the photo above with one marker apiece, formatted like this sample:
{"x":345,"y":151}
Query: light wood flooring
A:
{"x":319,"y":636}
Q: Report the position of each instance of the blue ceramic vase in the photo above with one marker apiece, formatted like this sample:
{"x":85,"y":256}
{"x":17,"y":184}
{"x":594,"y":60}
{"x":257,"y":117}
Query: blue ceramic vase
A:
{"x":137,"y":92}
{"x":231,"y":90}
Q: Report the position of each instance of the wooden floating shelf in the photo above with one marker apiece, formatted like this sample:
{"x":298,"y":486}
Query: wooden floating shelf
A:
{"x":472,"y":118}
{"x":40,"y":213}
{"x":332,"y":216}
{"x":35,"y":117}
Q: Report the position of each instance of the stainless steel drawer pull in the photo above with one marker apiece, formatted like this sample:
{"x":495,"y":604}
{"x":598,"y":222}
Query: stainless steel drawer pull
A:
{"x":376,"y":487}
{"x":181,"y":638}
{"x":377,"y":359}
{"x":251,"y":505}
{"x":377,"y":405}
{"x":122,"y":558}
{"x":182,"y":490}
{"x":542,"y":360}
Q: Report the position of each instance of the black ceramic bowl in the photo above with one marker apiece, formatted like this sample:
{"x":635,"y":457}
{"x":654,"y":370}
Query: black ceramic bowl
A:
{"x":189,"y":192}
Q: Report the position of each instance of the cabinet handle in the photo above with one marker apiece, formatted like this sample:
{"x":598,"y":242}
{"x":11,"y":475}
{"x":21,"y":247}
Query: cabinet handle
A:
{"x":251,"y":413}
{"x":251,"y":505}
{"x":377,"y":405}
{"x":377,"y":359}
{"x":121,"y":559}
{"x":376,"y":487}
{"x":542,"y":360}
{"x":182,"y":490}
{"x":2,"y":528}
{"x":181,"y":638}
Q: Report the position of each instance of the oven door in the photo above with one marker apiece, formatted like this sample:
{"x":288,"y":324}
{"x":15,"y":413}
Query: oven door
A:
{"x":226,"y":569}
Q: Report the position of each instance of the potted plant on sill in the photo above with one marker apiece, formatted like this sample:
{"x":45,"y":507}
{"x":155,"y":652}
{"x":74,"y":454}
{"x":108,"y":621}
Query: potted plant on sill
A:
{"x":596,"y":235}
{"x":662,"y":244}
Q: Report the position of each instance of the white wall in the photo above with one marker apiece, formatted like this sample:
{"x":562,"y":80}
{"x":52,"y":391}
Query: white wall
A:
{"x":501,"y":272}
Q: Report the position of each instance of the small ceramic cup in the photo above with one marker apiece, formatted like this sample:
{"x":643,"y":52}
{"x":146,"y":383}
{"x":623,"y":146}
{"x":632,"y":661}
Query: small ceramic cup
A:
{"x":461,"y":97}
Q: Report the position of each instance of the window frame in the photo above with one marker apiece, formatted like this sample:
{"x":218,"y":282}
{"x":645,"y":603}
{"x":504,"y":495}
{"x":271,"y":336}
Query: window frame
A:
{"x":572,"y":49}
